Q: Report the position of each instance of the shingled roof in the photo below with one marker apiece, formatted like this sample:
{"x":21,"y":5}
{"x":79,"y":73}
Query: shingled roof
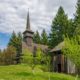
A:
{"x":58,"y":47}
{"x":42,"y":47}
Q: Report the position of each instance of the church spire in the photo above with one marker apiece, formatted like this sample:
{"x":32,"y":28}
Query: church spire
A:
{"x":28,"y":33}
{"x":28,"y":21}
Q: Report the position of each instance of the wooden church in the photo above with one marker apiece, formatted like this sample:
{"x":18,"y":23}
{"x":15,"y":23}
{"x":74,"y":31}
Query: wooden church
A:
{"x":28,"y":39}
{"x":59,"y":61}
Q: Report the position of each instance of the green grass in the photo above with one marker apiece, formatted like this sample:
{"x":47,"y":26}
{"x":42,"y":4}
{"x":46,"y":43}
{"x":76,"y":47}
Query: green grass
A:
{"x":24,"y":72}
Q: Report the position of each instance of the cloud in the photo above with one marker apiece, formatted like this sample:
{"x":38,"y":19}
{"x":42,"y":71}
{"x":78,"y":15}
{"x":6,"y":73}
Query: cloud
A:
{"x":13,"y":13}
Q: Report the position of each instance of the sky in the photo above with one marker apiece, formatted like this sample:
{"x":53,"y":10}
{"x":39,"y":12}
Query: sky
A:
{"x":13,"y":14}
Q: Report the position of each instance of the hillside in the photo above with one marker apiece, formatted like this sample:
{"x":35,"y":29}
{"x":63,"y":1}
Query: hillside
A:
{"x":24,"y":72}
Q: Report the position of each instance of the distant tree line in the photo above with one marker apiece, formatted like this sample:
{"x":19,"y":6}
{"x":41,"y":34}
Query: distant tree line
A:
{"x":41,"y":39}
{"x":12,"y":54}
{"x":61,"y":27}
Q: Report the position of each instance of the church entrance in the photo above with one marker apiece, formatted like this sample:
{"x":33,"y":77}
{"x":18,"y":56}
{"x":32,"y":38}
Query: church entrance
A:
{"x":59,"y":68}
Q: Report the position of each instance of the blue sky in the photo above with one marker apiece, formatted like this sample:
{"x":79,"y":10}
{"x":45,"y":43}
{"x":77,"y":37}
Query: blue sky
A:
{"x":13,"y":15}
{"x":4,"y":39}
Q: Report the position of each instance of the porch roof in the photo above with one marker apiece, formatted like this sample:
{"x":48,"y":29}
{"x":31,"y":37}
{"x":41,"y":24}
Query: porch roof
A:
{"x":58,"y":47}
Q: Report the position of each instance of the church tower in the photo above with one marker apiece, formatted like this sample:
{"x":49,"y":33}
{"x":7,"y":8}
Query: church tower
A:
{"x":28,"y":33}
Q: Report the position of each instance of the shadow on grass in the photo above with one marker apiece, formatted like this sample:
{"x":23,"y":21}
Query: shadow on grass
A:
{"x":23,"y":74}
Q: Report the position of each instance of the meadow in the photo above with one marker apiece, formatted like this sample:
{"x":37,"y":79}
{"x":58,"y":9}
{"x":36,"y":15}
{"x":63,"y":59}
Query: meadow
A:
{"x":25,"y":72}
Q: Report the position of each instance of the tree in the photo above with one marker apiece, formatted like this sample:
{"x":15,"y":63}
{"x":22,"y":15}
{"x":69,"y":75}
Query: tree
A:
{"x":77,"y":19}
{"x":39,"y":55}
{"x":8,"y":56}
{"x":27,"y":57}
{"x":16,"y":41}
{"x":13,"y":39}
{"x":0,"y":56}
{"x":72,"y":50}
{"x":59,"y":28}
{"x":71,"y":28}
{"x":0,"y":51}
{"x":19,"y":47}
{"x":44,"y":37}
{"x":36,"y":38}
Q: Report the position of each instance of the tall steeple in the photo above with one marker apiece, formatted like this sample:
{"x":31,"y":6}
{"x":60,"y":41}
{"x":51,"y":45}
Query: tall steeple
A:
{"x":28,"y":33}
{"x":28,"y":21}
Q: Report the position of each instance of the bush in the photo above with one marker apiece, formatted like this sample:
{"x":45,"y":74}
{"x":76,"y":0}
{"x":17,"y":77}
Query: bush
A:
{"x":72,"y":50}
{"x":27,"y":57}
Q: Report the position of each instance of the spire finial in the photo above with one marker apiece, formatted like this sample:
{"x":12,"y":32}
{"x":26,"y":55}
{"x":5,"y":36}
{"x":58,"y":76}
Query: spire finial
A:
{"x":28,"y":21}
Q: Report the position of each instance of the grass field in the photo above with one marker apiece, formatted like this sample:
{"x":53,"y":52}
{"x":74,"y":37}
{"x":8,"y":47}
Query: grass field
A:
{"x":24,"y":72}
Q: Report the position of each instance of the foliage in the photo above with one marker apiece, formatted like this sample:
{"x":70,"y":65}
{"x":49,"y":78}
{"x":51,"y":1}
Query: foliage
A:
{"x":44,"y":37}
{"x":37,"y":38}
{"x":0,"y":51}
{"x":8,"y":56}
{"x":72,"y":50}
{"x":16,"y":41}
{"x":72,"y":45}
{"x":39,"y":55}
{"x":59,"y":28}
{"x":27,"y":57}
{"x":40,"y":58}
{"x":19,"y":45}
{"x":13,"y":40}
{"x":77,"y":19}
{"x":48,"y":61}
{"x":43,"y":59}
{"x":46,"y":66}
{"x":30,"y":59}
{"x":70,"y":29}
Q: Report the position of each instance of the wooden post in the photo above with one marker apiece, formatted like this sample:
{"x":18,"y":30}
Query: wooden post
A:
{"x":62,"y":63}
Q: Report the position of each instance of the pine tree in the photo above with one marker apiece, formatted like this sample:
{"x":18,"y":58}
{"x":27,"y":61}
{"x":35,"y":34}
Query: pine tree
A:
{"x":44,"y":37}
{"x":70,"y":29}
{"x":19,"y":37}
{"x":59,"y":28}
{"x":16,"y":41}
{"x":77,"y":19}
{"x":19,"y":47}
{"x":13,"y":39}
{"x":37,"y":38}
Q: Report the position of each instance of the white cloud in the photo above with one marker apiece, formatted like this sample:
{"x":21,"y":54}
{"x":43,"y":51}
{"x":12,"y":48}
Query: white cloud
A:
{"x":13,"y":13}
